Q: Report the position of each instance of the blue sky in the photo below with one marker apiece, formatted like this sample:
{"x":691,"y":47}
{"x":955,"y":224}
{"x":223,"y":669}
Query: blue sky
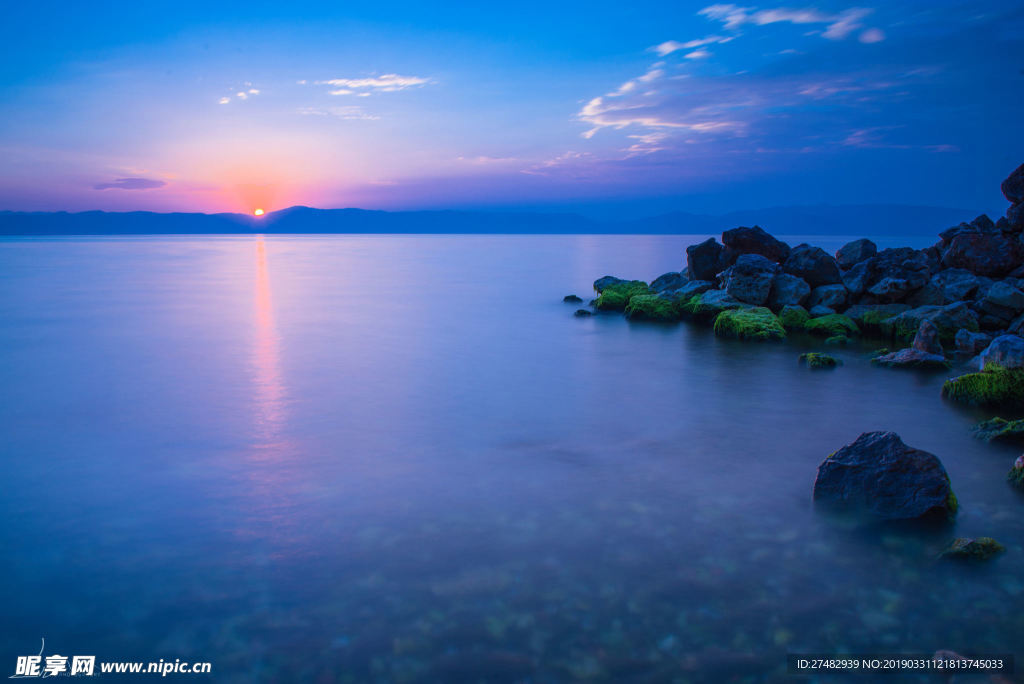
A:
{"x":606,"y":108}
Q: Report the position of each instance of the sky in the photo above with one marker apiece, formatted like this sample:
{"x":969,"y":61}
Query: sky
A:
{"x":607,"y":108}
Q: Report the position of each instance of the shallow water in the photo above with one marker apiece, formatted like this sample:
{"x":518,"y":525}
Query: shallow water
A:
{"x":401,"y":459}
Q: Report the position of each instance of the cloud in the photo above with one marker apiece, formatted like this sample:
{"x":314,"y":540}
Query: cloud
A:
{"x":130,"y":184}
{"x":351,"y":113}
{"x":698,"y":54}
{"x":387,"y":83}
{"x":872,"y":35}
{"x":224,"y":100}
{"x":837,"y":25}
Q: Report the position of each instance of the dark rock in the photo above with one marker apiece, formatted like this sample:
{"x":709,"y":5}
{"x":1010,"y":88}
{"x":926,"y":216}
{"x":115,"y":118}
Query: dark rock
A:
{"x":926,"y":296}
{"x":870,"y":317}
{"x":832,"y":296}
{"x":890,"y":289}
{"x":1016,"y":327}
{"x":694,"y":287}
{"x":793,"y":317}
{"x":668,"y":281}
{"x":987,"y":254}
{"x":949,"y":319}
{"x":1003,"y":301}
{"x":704,"y":261}
{"x":601,"y":283}
{"x":853,"y":253}
{"x":812,"y":264}
{"x":982,"y":224}
{"x":788,"y":290}
{"x":858,"y":277}
{"x":1016,"y":474}
{"x":755,"y":240}
{"x":571,"y":299}
{"x":1013,"y":186}
{"x":750,"y":278}
{"x":1000,"y":430}
{"x":1015,"y":217}
{"x":580,"y":313}
{"x":927,"y":338}
{"x":882,"y":477}
{"x":980,"y":549}
{"x":707,"y":306}
{"x":912,"y":358}
{"x":821,"y":310}
{"x":971,"y":343}
{"x":1006,"y":351}
{"x":816,"y":361}
{"x":956,"y":284}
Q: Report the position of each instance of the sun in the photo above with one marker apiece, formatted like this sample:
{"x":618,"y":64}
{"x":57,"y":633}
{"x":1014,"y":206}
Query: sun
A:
{"x":257,"y":212}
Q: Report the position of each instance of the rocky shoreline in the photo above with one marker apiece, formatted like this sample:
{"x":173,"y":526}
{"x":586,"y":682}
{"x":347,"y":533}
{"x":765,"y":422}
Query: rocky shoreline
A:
{"x":962,"y":299}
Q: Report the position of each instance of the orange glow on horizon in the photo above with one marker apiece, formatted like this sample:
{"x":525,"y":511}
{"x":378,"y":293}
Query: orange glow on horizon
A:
{"x":257,"y":212}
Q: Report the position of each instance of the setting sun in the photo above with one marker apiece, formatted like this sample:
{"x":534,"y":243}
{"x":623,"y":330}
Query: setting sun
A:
{"x":257,"y":212}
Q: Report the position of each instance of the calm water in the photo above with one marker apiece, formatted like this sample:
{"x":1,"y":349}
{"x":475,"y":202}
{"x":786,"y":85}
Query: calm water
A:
{"x":401,"y":459}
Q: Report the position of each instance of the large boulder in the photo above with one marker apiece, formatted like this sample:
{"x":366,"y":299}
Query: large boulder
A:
{"x":787,"y":290}
{"x":857,"y":278}
{"x":1013,"y":186}
{"x":668,"y":282}
{"x":1015,"y":217}
{"x":890,"y":289}
{"x":812,"y":264}
{"x":994,"y":387}
{"x":852,"y":253}
{"x":956,"y":284}
{"x":949,"y":319}
{"x":694,"y":287}
{"x":704,"y":261}
{"x":616,"y":296}
{"x":707,"y":306}
{"x":890,"y":275}
{"x":1003,"y":300}
{"x":881,"y":477}
{"x":991,"y":254}
{"x":927,"y":338}
{"x":601,"y":283}
{"x":924,"y":352}
{"x":754,"y":323}
{"x":870,"y":316}
{"x":750,"y":278}
{"x":755,"y":240}
{"x":1006,"y":351}
{"x":971,"y":343}
{"x":832,"y":296}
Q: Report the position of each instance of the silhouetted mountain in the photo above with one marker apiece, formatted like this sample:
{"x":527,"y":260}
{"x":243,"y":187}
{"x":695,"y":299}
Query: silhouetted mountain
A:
{"x":810,"y":220}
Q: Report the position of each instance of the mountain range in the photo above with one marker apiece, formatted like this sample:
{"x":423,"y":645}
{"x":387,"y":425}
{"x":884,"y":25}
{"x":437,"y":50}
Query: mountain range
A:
{"x":868,"y":219}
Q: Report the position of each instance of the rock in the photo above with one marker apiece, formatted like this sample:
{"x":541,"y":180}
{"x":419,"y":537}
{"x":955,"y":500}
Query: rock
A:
{"x":880,"y":476}
{"x":831,"y":326}
{"x":987,"y":254}
{"x":912,"y":358}
{"x":694,"y":287}
{"x":754,"y":323}
{"x":615,"y":296}
{"x":955,"y":284}
{"x":649,"y":307}
{"x":668,"y":281}
{"x":750,"y":278}
{"x":601,"y":283}
{"x":1013,"y":186}
{"x":1016,"y":474}
{"x":857,"y":278}
{"x":1000,"y":430}
{"x":816,"y":361}
{"x":755,"y":240}
{"x":971,"y":343}
{"x":949,"y":319}
{"x":982,"y":224}
{"x":1016,"y":327}
{"x":926,"y":296}
{"x":1003,"y":300}
{"x":832,"y":296}
{"x":704,"y":261}
{"x":994,"y":387}
{"x":821,"y":310}
{"x":581,"y":313}
{"x":787,"y":290}
{"x":927,"y":339}
{"x":890,"y":289}
{"x":793,"y":317}
{"x":1006,"y":351}
{"x":812,"y":264}
{"x":571,"y":299}
{"x":837,"y":341}
{"x":707,"y":306}
{"x":1015,"y":217}
{"x":980,"y":549}
{"x":853,"y":253}
{"x":869,"y":317}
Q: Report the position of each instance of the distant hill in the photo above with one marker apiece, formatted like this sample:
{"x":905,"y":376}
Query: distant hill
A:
{"x":802,"y":220}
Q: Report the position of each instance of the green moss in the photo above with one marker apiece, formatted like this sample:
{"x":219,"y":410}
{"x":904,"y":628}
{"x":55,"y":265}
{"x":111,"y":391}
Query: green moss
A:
{"x":616,"y":297}
{"x":832,"y":325}
{"x":816,"y":361}
{"x":880,"y":352}
{"x":652,"y":308}
{"x":793,"y":317}
{"x":872,"y":320}
{"x":755,"y":323}
{"x":838,"y":340}
{"x":980,"y":549}
{"x":952,"y":503}
{"x":994,"y":386}
{"x":703,"y":307}
{"x":998,"y":429}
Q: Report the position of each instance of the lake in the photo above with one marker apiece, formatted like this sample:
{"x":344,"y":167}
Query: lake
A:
{"x":402,"y":459}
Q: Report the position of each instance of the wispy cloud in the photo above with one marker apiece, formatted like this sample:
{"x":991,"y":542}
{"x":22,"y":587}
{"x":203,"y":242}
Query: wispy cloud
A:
{"x":386,"y":83}
{"x":350,"y":113}
{"x":837,"y":26}
{"x":130,"y":184}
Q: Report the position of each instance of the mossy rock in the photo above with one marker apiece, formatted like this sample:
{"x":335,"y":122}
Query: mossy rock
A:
{"x":999,"y":429}
{"x":616,"y":297}
{"x":838,"y":340}
{"x":652,"y":308}
{"x":1016,"y":474}
{"x":582,"y":313}
{"x":793,"y":317}
{"x":980,"y":549}
{"x":708,"y":305}
{"x":879,"y":352}
{"x":572,"y":299}
{"x":816,"y":361}
{"x":994,"y":387}
{"x":755,"y":323}
{"x":832,"y":325}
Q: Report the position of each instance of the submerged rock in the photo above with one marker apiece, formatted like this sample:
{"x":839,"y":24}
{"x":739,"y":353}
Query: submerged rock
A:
{"x":980,"y":549}
{"x":755,"y":323}
{"x":582,"y":313}
{"x":993,"y":387}
{"x":816,"y":361}
{"x":881,"y":477}
{"x":925,"y":352}
{"x":832,"y":325}
{"x":853,"y":253}
{"x":998,"y":429}
{"x":615,"y":296}
{"x":571,"y":299}
{"x":1016,"y":474}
